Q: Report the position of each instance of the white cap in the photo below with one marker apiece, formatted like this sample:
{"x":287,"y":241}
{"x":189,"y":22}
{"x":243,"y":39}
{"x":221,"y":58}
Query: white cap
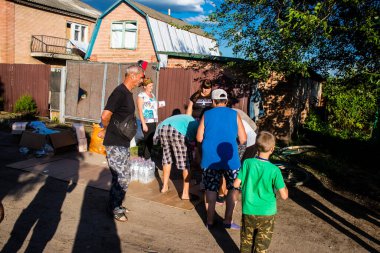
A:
{"x":219,"y":94}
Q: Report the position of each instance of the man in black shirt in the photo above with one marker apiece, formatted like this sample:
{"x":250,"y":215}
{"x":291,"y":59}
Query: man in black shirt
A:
{"x":119,"y":106}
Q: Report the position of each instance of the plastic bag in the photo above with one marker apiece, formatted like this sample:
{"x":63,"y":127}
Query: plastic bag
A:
{"x":96,"y":144}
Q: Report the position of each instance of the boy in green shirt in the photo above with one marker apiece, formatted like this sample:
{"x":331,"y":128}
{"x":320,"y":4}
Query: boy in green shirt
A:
{"x":259,"y":180}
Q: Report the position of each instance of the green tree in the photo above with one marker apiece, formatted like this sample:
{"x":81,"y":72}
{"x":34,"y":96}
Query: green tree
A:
{"x":289,"y":36}
{"x":339,"y":39}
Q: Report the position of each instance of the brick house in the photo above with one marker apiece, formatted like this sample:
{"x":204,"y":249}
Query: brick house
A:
{"x":44,"y":31}
{"x":129,"y":31}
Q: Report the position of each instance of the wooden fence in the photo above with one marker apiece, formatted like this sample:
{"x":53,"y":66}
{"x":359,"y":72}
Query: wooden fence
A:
{"x":17,"y":80}
{"x":89,"y":84}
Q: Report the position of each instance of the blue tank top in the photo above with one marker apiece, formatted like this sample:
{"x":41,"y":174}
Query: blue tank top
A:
{"x":219,"y":146}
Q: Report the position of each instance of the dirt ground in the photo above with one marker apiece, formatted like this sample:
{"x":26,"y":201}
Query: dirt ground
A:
{"x":48,"y":215}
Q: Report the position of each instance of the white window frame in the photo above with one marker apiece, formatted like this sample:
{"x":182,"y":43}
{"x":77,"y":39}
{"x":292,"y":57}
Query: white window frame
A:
{"x":124,"y":29}
{"x":79,"y":27}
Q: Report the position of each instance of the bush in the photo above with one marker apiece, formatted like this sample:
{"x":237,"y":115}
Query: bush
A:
{"x":26,"y":105}
{"x":350,"y":109}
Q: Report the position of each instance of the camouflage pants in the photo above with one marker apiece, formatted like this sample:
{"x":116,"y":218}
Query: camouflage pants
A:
{"x":256,"y":233}
{"x":118,"y":162}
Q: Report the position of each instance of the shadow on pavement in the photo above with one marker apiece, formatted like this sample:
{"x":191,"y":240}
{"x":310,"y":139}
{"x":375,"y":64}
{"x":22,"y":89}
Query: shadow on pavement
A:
{"x":335,"y":220}
{"x":96,"y":230}
{"x":220,"y":234}
{"x":43,"y":215}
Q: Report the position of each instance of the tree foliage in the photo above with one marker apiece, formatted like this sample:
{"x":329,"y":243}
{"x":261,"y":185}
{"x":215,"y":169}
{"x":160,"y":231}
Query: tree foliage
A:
{"x":351,"y":105}
{"x":290,"y":36}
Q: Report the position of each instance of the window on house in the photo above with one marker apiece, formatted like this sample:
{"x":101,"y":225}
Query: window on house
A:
{"x":78,"y":32}
{"x":124,"y":34}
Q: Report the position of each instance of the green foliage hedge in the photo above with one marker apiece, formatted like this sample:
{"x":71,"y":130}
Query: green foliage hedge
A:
{"x":351,"y":105}
{"x":26,"y":105}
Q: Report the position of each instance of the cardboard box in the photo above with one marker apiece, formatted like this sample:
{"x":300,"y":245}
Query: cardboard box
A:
{"x":82,"y":145}
{"x":60,"y":140}
{"x":33,"y":140}
{"x":18,"y":127}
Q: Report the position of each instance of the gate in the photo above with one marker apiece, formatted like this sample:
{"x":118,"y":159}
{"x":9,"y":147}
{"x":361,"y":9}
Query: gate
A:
{"x":89,"y":84}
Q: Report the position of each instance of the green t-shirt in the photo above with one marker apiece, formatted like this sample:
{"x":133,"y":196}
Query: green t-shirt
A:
{"x":259,"y":181}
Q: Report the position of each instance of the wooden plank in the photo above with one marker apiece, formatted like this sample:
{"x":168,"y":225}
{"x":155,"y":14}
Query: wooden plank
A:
{"x":72,"y":86}
{"x":112,"y":80}
{"x":95,"y":93}
{"x":85,"y":79}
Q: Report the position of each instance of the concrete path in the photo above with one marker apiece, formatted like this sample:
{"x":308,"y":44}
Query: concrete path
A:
{"x":44,"y":214}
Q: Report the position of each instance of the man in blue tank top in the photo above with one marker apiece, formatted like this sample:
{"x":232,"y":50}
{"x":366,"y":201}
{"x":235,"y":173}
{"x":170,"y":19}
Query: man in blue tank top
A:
{"x":218,"y":130}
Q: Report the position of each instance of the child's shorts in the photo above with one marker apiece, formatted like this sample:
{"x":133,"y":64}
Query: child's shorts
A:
{"x":211,"y":178}
{"x":260,"y":239}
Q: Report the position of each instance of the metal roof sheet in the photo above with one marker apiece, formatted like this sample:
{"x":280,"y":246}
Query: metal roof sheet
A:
{"x":168,"y":19}
{"x":70,"y":6}
{"x":171,"y":39}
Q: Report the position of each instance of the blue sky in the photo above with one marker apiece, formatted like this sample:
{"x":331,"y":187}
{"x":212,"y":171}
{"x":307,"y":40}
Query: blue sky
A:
{"x":192,"y":11}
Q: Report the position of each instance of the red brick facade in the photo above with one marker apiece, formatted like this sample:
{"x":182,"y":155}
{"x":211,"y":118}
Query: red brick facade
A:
{"x":102,"y":50}
{"x":17,"y":25}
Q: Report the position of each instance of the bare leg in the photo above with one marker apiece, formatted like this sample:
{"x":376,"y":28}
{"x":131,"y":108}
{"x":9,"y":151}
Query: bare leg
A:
{"x":210,"y":199}
{"x":186,"y":184}
{"x":230,"y":205}
{"x":165,"y":185}
{"x":223,"y":188}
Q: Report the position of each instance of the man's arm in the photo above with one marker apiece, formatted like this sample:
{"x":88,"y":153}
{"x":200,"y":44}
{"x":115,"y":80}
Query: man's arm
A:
{"x":201,"y":130}
{"x":241,"y":131}
{"x":106,"y":117}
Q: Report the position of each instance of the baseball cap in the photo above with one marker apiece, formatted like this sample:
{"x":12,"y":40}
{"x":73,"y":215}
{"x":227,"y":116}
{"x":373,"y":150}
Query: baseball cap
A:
{"x":219,"y":94}
{"x":142,"y":64}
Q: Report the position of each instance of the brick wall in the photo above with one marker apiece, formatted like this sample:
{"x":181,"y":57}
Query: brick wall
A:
{"x":180,"y":63}
{"x":102,"y":50}
{"x":286,"y":104}
{"x":7,"y":11}
{"x":27,"y":22}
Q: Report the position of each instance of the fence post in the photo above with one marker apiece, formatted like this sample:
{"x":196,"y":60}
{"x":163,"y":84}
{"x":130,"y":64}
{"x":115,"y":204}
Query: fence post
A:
{"x":104,"y":86}
{"x":62,"y":96}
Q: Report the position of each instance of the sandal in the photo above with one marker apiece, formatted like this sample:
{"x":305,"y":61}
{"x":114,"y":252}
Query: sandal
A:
{"x":119,"y":214}
{"x":120,"y":217}
{"x":125,"y":210}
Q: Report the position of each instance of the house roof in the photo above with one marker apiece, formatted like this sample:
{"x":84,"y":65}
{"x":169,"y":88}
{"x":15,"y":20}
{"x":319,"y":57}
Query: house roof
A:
{"x":169,"y":19}
{"x":201,"y":57}
{"x":69,"y":7}
{"x":168,"y":34}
